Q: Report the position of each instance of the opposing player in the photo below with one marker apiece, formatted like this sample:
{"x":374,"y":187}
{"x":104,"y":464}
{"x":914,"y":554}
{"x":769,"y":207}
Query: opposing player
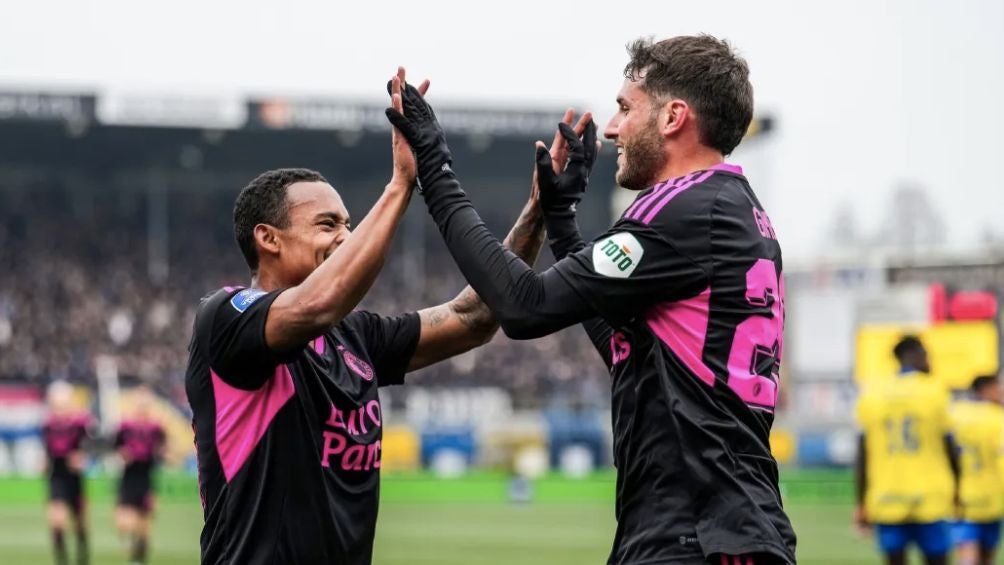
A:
{"x":683,"y":298}
{"x":907,"y":467}
{"x":283,"y":375}
{"x":978,"y":427}
{"x":65,"y":430}
{"x":140,"y":442}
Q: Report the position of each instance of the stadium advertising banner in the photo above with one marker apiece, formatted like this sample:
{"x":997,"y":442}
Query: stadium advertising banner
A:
{"x":205,"y":112}
{"x":314,"y":114}
{"x":39,"y":107}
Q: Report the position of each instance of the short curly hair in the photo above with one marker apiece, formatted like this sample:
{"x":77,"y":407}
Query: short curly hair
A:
{"x":263,"y":201}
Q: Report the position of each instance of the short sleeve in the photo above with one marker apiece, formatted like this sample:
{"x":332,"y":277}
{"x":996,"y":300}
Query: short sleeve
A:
{"x":631,"y":268}
{"x":235,"y":337}
{"x":390,"y":342}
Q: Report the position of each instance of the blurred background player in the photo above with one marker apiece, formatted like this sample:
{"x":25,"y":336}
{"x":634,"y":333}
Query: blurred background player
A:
{"x":978,"y":428}
{"x":64,"y":432}
{"x":907,"y":467}
{"x":140,"y":442}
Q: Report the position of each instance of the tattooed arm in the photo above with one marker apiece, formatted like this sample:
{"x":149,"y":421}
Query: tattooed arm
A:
{"x":466,"y":322}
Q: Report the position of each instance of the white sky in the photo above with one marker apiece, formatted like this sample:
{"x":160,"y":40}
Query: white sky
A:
{"x":867,"y":94}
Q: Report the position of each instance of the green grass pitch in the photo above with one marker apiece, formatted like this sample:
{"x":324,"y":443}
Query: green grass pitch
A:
{"x":428,"y":521}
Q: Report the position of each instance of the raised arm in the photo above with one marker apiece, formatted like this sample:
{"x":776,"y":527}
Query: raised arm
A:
{"x":466,"y":321}
{"x":562,"y":174}
{"x":331,"y":291}
{"x":525,"y":303}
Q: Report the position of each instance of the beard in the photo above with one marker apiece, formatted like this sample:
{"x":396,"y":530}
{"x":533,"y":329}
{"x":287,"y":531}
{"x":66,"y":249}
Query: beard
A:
{"x":643,"y":158}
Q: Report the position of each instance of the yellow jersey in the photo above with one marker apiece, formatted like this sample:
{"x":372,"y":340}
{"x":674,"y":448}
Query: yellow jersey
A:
{"x":909,"y":477}
{"x":979,"y":431}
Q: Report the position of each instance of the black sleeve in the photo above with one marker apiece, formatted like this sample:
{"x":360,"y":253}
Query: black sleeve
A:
{"x":564,"y":238}
{"x":119,"y":440}
{"x":236,"y":343}
{"x":599,"y":333}
{"x":629,"y":269}
{"x":616,"y":285}
{"x":390,"y":342}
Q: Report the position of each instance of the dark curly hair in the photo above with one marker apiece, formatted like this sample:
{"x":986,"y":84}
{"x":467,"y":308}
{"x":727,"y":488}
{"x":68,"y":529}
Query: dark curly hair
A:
{"x":706,"y":73}
{"x":263,"y":201}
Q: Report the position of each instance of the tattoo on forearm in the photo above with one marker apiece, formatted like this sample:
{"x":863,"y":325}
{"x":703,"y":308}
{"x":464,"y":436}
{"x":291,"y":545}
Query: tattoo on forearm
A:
{"x":472,"y":312}
{"x":527,"y":235}
{"x":438,"y":315}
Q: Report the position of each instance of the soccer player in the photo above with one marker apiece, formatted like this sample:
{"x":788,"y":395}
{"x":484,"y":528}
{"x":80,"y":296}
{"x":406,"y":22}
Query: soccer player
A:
{"x":907,"y":468}
{"x":978,"y":427}
{"x":64,"y":431}
{"x":140,"y":442}
{"x":283,"y":375}
{"x":682,"y":297}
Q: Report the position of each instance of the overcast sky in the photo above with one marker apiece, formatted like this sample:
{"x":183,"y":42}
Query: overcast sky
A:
{"x":867,"y":94}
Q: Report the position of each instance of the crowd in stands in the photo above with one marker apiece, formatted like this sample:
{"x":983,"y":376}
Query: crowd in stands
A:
{"x":92,"y":275}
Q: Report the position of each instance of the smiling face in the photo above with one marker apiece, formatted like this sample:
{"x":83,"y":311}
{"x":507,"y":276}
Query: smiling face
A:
{"x":634,"y":129}
{"x":317,"y":223}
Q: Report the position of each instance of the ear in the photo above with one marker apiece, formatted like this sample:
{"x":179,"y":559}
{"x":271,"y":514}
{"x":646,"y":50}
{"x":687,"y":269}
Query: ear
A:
{"x":267,"y":238}
{"x":674,"y":116}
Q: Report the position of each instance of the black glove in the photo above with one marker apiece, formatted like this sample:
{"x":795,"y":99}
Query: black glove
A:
{"x":561,"y":192}
{"x":419,"y":126}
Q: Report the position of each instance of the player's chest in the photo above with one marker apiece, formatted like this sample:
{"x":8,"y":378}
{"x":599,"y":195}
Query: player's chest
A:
{"x":342,"y":405}
{"x":341,"y":367}
{"x":337,"y":386}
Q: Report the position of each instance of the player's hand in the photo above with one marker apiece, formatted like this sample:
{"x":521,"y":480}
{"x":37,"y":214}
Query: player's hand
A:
{"x":861,"y":522}
{"x":563,"y":184}
{"x":405,"y":169}
{"x":558,"y":151}
{"x":417,"y":122}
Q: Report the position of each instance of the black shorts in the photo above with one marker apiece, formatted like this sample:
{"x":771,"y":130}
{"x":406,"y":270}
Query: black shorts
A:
{"x":68,"y":489}
{"x":136,"y":492}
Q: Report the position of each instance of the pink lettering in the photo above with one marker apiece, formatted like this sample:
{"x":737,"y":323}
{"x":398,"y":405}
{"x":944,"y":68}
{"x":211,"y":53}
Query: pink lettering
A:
{"x":620,"y":348}
{"x":353,"y":458}
{"x":756,"y":348}
{"x":352,"y":423}
{"x":763,"y":224}
{"x":335,"y":420}
{"x":373,"y":455}
{"x":373,"y":409}
{"x":334,"y":443}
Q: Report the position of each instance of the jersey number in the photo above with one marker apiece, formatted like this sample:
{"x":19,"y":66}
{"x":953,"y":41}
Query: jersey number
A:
{"x":756,"y":348}
{"x":901,"y":435}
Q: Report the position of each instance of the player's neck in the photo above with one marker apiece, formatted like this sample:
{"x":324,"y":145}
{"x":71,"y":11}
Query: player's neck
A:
{"x":685,"y":160}
{"x":265,"y":280}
